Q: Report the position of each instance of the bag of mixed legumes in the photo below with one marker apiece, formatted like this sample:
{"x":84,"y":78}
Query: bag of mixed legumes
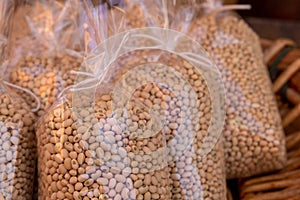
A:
{"x":17,"y":146}
{"x":44,"y":49}
{"x":143,"y":120}
{"x":6,"y":14}
{"x":254,"y":139}
{"x":17,"y":138}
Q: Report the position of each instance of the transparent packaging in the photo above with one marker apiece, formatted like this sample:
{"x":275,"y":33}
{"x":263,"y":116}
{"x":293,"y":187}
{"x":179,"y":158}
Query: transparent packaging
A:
{"x":44,"y":49}
{"x":6,"y":14}
{"x":143,"y":120}
{"x":17,"y":138}
{"x":17,"y":146}
{"x":254,"y":139}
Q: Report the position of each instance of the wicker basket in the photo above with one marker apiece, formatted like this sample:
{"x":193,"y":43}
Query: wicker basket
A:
{"x":282,"y":185}
{"x":283,"y":60}
{"x":229,"y":194}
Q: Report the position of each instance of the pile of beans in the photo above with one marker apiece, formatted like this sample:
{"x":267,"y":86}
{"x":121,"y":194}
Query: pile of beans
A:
{"x":45,"y":76}
{"x":111,"y":146}
{"x":254,"y":140}
{"x":17,"y":147}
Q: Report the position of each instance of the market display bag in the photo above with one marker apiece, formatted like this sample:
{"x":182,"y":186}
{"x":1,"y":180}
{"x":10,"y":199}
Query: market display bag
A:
{"x":254,"y":139}
{"x":45,"y":48}
{"x":144,"y":117}
{"x":17,"y":147}
{"x":17,"y":138}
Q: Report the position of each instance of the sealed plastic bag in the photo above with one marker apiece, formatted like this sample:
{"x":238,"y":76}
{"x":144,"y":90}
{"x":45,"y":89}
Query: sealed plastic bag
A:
{"x":6,"y":15}
{"x":17,"y":146}
{"x":47,"y":51}
{"x":155,"y":15}
{"x":17,"y":137}
{"x":254,"y":140}
{"x":17,"y":159}
{"x":143,"y":121}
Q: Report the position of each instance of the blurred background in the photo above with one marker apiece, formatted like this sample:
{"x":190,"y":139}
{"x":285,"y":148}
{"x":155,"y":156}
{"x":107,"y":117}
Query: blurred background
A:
{"x":273,"y":19}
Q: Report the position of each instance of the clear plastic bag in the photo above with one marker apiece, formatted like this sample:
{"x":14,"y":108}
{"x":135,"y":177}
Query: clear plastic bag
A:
{"x":6,"y":14}
{"x":17,"y":138}
{"x":254,"y":139}
{"x":46,"y":50}
{"x":17,"y":147}
{"x":143,"y":121}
